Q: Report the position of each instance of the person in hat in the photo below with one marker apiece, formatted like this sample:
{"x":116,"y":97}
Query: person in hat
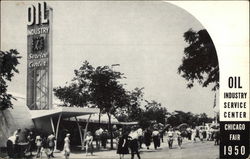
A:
{"x":51,"y":143}
{"x":38,"y":142}
{"x":66,"y":147}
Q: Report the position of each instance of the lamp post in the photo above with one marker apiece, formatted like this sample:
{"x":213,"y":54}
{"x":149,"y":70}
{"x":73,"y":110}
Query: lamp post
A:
{"x":110,"y":126}
{"x":115,"y":65}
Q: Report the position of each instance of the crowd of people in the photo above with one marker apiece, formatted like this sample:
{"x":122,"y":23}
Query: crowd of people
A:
{"x":202,"y":134}
{"x":41,"y":144}
{"x":129,"y":140}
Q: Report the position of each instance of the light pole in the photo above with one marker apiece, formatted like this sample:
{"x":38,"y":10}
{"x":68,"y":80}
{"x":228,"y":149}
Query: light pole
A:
{"x":117,"y":64}
{"x":114,"y":65}
{"x":110,"y":125}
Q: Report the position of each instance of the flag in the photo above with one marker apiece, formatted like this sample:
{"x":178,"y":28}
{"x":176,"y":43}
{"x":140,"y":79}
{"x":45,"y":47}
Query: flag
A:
{"x":214,"y":101}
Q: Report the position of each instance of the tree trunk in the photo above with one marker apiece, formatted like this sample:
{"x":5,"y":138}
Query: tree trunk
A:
{"x":111,"y":131}
{"x":99,"y":120}
{"x":85,"y":130}
{"x":80,"y":132}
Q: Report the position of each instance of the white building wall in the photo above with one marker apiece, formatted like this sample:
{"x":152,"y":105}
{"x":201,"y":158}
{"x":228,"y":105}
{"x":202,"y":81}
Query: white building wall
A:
{"x":12,"y":119}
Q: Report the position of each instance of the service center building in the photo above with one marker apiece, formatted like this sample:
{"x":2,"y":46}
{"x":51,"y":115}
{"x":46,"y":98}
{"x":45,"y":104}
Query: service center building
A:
{"x":37,"y":109}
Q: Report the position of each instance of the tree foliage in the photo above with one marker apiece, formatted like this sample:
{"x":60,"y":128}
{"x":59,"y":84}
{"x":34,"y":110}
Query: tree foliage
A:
{"x":143,"y":111}
{"x":179,"y":117}
{"x":132,"y":111}
{"x":72,"y":95}
{"x":8,"y":64}
{"x":154,"y":112}
{"x":200,"y":60}
{"x":98,"y":86}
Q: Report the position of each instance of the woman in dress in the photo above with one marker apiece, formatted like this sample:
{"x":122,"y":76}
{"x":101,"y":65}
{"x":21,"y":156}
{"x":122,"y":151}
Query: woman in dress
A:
{"x":147,"y":137}
{"x":123,"y":145}
{"x":89,"y":143}
{"x":38,"y":142}
{"x":66,"y":147}
{"x":193,"y":136}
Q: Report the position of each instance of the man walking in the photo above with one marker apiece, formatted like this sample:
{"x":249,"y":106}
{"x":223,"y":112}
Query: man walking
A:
{"x":51,"y":143}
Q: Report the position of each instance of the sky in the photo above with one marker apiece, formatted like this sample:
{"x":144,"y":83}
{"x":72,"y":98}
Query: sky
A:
{"x":145,"y":38}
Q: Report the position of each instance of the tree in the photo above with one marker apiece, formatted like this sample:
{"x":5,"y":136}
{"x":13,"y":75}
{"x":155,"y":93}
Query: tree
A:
{"x":200,"y":60}
{"x":8,"y":64}
{"x":72,"y":95}
{"x":203,"y":118}
{"x":132,"y":111}
{"x":179,"y":117}
{"x":98,"y":86}
{"x":153,"y":112}
{"x":143,"y":111}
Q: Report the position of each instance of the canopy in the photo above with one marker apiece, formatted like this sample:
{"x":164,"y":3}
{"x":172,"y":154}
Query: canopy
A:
{"x":95,"y":119}
{"x":129,"y":123}
{"x":66,"y":112}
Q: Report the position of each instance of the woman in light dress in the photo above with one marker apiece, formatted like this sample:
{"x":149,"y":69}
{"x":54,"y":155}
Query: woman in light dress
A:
{"x":38,"y":142}
{"x":66,"y":148}
{"x":89,"y":143}
{"x":193,"y":136}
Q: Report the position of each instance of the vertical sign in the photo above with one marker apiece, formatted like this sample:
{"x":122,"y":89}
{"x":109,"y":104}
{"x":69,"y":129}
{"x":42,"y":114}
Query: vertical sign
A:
{"x":234,"y":115}
{"x":39,"y":49}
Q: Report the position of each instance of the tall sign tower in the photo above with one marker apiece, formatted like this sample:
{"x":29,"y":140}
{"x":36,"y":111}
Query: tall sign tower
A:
{"x":39,"y":59}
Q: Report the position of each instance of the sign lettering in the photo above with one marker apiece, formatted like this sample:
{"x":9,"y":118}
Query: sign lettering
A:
{"x":37,"y":15}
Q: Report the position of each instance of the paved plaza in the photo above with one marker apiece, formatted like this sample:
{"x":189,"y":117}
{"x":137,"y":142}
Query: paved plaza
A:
{"x":190,"y":150}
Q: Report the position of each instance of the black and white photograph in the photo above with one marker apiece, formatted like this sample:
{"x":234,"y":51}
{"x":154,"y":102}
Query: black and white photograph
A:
{"x":123,"y":80}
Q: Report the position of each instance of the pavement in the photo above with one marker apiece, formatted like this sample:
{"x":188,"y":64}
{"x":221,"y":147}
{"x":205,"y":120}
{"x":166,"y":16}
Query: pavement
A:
{"x":190,"y":150}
